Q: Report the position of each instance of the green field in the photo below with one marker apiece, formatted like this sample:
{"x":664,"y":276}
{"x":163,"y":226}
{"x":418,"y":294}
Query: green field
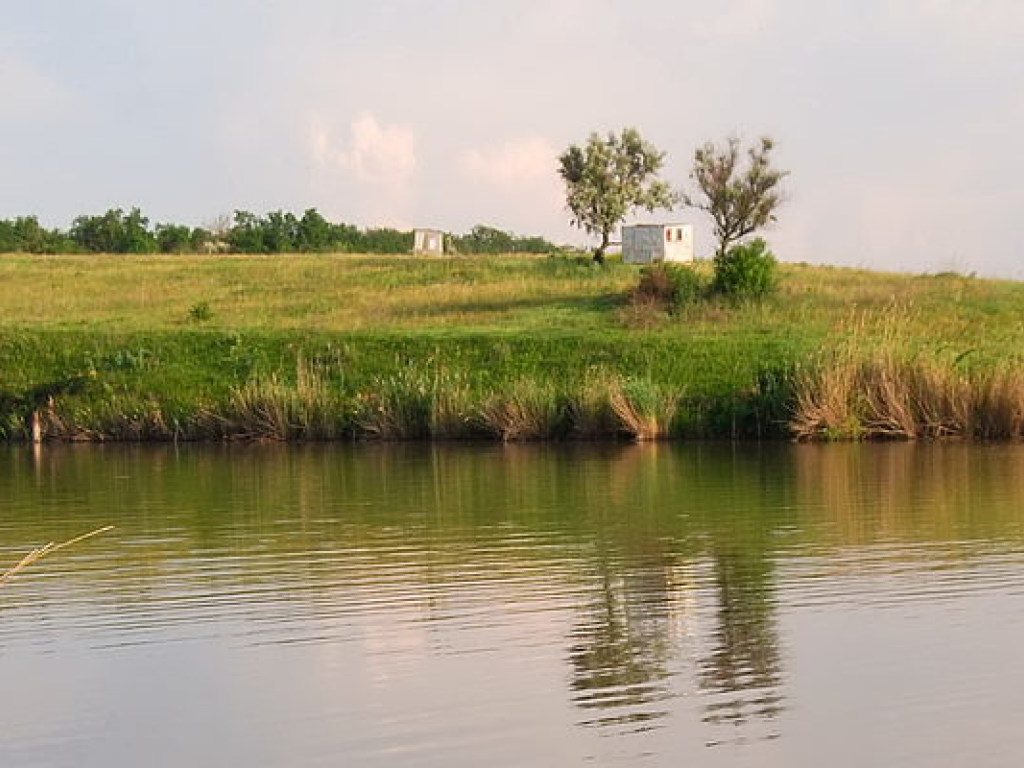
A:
{"x":343,"y":346}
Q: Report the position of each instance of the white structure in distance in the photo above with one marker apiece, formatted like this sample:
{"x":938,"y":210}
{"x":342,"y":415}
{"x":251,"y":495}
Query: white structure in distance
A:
{"x":648,"y":243}
{"x":428,"y":242}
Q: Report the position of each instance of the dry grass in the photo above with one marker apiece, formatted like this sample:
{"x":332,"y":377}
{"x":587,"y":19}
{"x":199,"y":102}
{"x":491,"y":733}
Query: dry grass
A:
{"x":645,"y":411}
{"x":882,"y":394}
{"x":528,"y":411}
{"x":47,"y":549}
{"x":268,"y":408}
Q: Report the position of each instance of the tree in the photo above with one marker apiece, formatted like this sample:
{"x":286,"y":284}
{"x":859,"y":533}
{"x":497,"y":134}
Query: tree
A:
{"x":114,"y":232}
{"x":173,"y":238}
{"x":313,"y":232}
{"x":610,"y":177}
{"x":740,"y":200}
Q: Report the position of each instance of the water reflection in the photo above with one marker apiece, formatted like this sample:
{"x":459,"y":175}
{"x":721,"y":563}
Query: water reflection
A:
{"x":623,"y":643}
{"x":650,"y":585}
{"x":743,"y":672}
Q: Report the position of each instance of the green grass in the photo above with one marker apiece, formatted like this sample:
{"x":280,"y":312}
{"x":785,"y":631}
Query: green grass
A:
{"x":305,"y":346}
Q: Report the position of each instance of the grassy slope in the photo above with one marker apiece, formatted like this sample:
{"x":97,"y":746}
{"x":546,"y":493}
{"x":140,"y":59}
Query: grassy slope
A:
{"x":490,"y":321}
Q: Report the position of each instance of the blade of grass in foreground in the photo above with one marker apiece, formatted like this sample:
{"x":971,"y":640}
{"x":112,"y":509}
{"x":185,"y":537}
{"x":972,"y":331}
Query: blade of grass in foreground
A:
{"x":47,"y":549}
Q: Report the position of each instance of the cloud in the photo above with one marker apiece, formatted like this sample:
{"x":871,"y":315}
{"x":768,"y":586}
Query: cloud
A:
{"x":514,"y":163}
{"x":377,"y":155}
{"x":370,"y":173}
{"x":514,"y":183}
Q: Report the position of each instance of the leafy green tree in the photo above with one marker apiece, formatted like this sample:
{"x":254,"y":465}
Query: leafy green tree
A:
{"x":25,"y":234}
{"x":345,"y":238}
{"x":490,"y":240}
{"x":741,"y":200}
{"x":173,"y":238}
{"x":246,"y":233}
{"x":314,"y":233}
{"x":609,"y":177}
{"x":280,"y":232}
{"x":386,"y":240}
{"x":199,"y":240}
{"x":484,"y":239}
{"x":114,"y":232}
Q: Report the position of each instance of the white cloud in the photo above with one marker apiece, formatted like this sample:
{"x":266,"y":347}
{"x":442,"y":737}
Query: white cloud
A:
{"x":514,"y":163}
{"x":379,"y":155}
{"x":369,"y":174}
{"x":513,"y":184}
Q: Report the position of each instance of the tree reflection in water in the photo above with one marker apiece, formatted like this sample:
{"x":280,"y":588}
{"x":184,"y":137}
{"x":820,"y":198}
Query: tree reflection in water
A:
{"x":681,"y":611}
{"x":742,"y":673}
{"x":633,"y":651}
{"x":623,"y":645}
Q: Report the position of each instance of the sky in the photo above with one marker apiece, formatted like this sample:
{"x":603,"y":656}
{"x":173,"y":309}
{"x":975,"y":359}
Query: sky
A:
{"x":899,"y":121}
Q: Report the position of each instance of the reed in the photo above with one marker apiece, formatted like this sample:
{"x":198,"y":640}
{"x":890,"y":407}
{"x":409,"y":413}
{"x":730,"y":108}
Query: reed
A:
{"x":885,"y":397}
{"x":589,"y":408}
{"x":47,"y":549}
{"x":997,"y":405}
{"x":397,"y":407}
{"x":528,"y":410}
{"x":644,"y":408}
{"x":270,"y":408}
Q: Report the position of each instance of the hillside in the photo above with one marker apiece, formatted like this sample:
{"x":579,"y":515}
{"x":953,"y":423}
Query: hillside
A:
{"x":190,"y":347}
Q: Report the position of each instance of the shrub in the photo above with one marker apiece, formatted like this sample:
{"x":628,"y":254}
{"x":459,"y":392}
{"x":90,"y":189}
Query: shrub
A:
{"x":747,"y":271}
{"x":200,"y":312}
{"x":669,"y":286}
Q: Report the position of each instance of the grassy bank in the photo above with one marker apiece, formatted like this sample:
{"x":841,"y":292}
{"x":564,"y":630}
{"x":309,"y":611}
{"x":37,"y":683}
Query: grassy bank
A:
{"x":324,"y":347}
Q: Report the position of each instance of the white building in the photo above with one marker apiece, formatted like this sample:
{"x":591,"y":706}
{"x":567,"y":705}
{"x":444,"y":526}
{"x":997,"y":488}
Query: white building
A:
{"x":428,"y":242}
{"x":647,"y":243}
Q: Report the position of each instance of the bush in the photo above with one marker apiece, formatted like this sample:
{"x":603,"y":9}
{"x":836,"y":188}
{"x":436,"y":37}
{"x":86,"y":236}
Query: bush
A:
{"x":747,"y":271}
{"x":670,"y":286}
{"x":200,"y":312}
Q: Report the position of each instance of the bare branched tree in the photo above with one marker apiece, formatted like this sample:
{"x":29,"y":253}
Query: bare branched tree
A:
{"x":740,"y":200}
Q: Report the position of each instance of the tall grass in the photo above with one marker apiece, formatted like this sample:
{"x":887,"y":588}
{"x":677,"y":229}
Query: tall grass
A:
{"x":267,"y":407}
{"x":882,"y":389}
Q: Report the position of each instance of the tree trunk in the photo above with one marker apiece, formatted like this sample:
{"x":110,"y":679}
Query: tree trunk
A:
{"x":599,"y":251}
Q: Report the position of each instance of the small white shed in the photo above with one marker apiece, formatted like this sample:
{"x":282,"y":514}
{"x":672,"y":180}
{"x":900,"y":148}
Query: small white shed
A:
{"x":647,"y":243}
{"x":428,"y":242}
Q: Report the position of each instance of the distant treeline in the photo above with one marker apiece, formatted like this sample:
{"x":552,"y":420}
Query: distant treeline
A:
{"x":276,"y":232}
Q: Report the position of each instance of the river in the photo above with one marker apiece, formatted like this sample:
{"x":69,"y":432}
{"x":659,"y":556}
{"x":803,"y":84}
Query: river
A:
{"x":468,"y":605}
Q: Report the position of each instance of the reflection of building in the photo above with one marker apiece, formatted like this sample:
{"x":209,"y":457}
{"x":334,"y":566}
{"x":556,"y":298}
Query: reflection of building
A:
{"x":428,"y":242}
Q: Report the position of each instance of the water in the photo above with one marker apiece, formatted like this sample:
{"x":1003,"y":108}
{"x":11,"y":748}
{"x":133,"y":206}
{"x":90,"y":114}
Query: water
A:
{"x":524,"y":606}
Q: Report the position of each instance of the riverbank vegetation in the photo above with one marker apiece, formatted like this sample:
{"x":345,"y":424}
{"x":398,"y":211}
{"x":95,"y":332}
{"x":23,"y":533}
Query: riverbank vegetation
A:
{"x":512,"y":348}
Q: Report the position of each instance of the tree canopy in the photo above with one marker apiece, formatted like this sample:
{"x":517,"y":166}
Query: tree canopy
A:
{"x":608,"y":178}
